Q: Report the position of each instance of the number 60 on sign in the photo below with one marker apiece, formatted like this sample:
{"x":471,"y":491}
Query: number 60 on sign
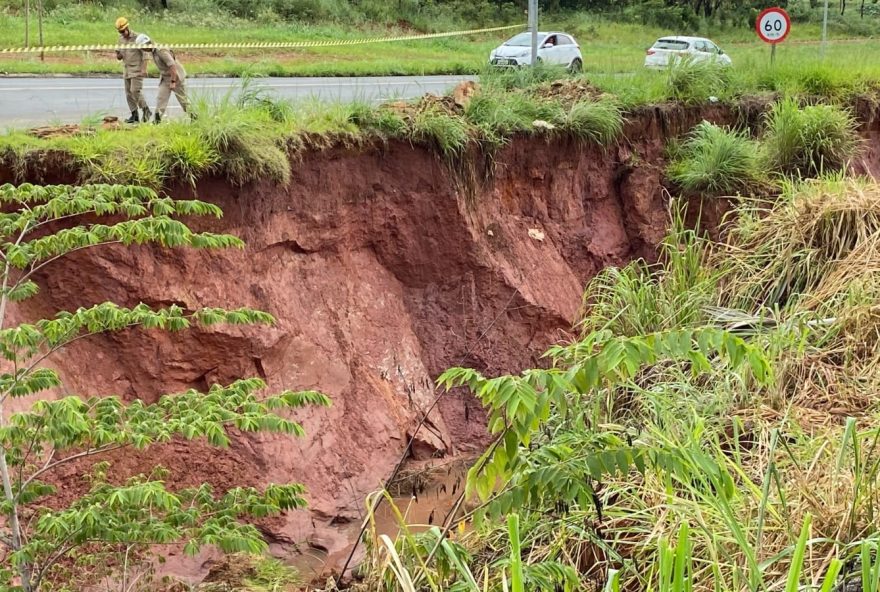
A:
{"x":773,"y":25}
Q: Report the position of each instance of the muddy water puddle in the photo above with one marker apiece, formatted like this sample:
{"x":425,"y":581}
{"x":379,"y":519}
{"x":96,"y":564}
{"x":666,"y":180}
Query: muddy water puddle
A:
{"x":424,"y":494}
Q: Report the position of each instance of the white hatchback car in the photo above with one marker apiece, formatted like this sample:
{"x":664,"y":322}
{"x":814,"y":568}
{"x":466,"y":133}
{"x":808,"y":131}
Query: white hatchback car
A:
{"x":667,"y":50}
{"x":558,"y":49}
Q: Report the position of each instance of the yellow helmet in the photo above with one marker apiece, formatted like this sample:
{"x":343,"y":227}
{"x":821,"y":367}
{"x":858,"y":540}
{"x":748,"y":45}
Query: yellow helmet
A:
{"x":121,"y":23}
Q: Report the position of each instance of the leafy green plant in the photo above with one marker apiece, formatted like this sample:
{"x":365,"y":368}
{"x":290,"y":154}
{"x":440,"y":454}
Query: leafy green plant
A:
{"x":37,"y":443}
{"x":519,"y":406}
{"x":717,"y":161}
{"x":809,"y":141}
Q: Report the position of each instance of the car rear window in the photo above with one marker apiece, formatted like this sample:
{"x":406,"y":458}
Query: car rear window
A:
{"x":674,"y":44}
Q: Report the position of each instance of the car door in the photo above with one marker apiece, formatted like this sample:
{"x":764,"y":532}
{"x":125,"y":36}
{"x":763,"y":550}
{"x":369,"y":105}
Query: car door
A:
{"x":550,"y":51}
{"x":567,"y":49}
{"x":701,"y":51}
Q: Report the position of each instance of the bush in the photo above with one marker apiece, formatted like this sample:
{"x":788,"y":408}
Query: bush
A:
{"x":716,"y":160}
{"x":809,"y":141}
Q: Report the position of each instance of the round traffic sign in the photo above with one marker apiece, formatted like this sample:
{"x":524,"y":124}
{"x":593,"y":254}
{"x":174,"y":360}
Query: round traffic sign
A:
{"x":773,"y":25}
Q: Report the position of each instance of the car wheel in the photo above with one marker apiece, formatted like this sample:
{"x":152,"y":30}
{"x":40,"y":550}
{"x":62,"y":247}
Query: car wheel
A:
{"x":576,"y":66}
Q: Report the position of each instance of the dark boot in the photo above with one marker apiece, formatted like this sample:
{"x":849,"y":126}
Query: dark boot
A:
{"x":133,"y":118}
{"x":158,"y":118}
{"x":147,"y":114}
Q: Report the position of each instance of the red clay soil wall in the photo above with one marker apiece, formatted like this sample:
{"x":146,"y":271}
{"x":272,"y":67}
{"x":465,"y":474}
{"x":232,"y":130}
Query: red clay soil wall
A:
{"x":381,"y":275}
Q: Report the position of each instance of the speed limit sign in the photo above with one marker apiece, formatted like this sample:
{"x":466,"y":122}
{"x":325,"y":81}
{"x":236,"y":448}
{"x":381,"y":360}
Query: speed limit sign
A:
{"x":773,"y":25}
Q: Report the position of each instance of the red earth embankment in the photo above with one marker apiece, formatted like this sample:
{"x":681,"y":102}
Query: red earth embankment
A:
{"x":381,"y":275}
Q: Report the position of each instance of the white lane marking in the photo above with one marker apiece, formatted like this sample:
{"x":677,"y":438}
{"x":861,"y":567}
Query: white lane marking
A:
{"x":212,"y":86}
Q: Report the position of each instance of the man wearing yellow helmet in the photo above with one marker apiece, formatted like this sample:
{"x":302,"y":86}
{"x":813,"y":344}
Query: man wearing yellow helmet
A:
{"x":134,"y":69}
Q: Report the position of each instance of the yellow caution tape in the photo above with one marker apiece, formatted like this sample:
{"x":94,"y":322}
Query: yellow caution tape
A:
{"x":256,"y":45}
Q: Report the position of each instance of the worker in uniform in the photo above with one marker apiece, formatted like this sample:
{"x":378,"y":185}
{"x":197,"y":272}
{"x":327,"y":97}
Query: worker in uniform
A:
{"x":134,"y":71}
{"x":172,"y":77}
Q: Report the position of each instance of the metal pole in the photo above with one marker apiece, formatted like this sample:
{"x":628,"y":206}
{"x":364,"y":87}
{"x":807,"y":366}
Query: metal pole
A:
{"x":533,"y":27}
{"x":824,"y":32}
{"x":772,"y":54}
{"x":27,"y":22}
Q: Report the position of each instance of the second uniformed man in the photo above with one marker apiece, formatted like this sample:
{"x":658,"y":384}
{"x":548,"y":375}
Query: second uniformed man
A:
{"x":172,"y":77}
{"x":134,"y":70}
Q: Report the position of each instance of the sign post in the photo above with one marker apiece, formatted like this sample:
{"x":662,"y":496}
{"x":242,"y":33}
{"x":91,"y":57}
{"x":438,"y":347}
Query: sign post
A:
{"x":773,"y":26}
{"x":533,"y":29}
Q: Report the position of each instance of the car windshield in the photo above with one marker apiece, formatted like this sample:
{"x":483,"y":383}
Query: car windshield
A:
{"x":521,"y":40}
{"x":671,"y":44}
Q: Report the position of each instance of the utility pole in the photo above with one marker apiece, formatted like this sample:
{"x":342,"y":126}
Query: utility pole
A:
{"x":824,"y":32}
{"x":533,"y":27}
{"x":27,"y":22}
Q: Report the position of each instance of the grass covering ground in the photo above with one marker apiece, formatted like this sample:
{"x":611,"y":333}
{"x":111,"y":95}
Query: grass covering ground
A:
{"x":248,"y":134}
{"x":608,"y":47}
{"x":716,"y":426}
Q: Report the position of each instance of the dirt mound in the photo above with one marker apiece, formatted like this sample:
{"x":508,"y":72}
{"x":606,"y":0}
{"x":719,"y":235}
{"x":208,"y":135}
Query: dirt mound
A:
{"x":72,"y":129}
{"x":569,"y":91}
{"x":453,"y":104}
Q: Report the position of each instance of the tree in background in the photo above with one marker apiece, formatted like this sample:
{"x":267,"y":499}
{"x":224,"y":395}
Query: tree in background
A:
{"x":40,"y":225}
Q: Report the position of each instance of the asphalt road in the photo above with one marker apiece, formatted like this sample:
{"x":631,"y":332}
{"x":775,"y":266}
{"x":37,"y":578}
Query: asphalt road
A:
{"x":43,"y":101}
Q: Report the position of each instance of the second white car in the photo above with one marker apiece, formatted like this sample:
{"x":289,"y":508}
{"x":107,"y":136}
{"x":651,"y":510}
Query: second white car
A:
{"x":668,"y":50}
{"x":556,"y":49}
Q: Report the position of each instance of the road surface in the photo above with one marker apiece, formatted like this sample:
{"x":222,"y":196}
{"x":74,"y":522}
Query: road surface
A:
{"x":43,"y":101}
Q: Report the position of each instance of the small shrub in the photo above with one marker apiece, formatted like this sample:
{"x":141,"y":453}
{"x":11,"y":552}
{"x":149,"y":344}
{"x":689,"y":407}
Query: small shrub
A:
{"x":716,"y":160}
{"x":809,"y":141}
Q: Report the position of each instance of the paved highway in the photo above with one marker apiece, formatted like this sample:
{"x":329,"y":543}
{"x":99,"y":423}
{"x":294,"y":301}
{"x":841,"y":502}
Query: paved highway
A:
{"x":41,"y":101}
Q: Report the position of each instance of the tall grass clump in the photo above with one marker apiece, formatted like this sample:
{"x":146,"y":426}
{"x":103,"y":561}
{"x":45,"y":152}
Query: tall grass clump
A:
{"x":642,"y":298}
{"x":793,"y":248}
{"x":717,"y":160}
{"x":247,"y":135}
{"x":809,"y":141}
{"x":599,"y":122}
{"x":695,"y":82}
{"x":449,"y":134}
{"x":508,"y":79}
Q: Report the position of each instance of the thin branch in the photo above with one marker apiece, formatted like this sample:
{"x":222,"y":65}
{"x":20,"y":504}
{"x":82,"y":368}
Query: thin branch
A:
{"x":43,"y":264}
{"x":48,"y":467}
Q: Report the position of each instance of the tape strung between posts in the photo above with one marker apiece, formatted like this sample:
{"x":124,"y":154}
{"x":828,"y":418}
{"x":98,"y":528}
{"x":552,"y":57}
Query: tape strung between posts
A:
{"x":255,"y":45}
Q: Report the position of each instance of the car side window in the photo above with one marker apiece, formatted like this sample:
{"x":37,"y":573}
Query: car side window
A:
{"x":564,"y":40}
{"x":551,"y":40}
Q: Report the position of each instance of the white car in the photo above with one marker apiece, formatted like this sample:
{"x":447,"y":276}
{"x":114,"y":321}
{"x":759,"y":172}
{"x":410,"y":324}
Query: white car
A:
{"x":559,"y":49}
{"x":667,"y":50}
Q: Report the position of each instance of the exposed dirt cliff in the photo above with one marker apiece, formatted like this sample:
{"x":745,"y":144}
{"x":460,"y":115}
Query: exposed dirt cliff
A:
{"x":381,"y":275}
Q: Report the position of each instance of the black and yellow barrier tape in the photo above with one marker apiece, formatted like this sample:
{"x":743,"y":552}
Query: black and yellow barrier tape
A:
{"x":253,"y":45}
